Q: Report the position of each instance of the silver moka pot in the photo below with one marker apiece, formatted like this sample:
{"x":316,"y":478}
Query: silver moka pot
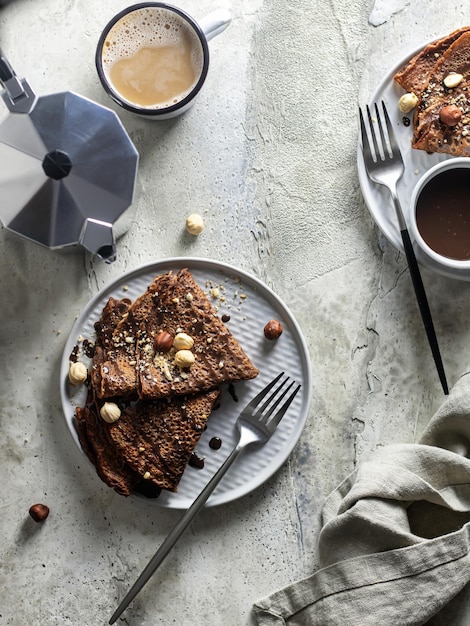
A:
{"x":68,"y":169}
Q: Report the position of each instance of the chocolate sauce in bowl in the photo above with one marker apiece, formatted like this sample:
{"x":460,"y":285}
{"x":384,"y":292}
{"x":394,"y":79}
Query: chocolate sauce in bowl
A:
{"x":443,"y":213}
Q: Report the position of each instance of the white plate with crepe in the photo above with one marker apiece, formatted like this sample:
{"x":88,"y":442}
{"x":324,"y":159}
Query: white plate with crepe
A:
{"x":417,"y":163}
{"x":250,"y":304}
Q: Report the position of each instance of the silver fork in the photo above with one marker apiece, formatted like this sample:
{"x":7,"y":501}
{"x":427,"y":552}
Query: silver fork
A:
{"x":256,"y":423}
{"x":384,"y":165}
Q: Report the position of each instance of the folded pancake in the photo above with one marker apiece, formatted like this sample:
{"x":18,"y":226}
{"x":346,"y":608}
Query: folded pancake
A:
{"x":156,"y":439}
{"x":414,"y":76}
{"x":431,"y":131}
{"x":114,"y":312}
{"x":162,"y":405}
{"x":109,"y":466}
{"x":108,"y":463}
{"x":182,"y":306}
{"x":118,"y":370}
{"x":173,"y":303}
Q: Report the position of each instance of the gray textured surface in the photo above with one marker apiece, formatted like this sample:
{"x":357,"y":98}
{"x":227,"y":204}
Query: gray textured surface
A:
{"x":268,"y":156}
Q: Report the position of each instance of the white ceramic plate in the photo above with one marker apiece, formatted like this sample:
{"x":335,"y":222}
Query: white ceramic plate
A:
{"x":250,"y":304}
{"x":417,"y":162}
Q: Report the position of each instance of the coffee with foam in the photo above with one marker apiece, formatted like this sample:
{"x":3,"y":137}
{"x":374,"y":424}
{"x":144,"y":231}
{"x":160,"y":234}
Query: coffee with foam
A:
{"x":152,"y":58}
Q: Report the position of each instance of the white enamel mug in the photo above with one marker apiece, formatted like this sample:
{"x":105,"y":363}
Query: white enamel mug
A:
{"x":156,"y":28}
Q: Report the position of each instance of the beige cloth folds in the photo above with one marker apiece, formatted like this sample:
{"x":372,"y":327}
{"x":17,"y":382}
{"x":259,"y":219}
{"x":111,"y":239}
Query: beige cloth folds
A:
{"x":395,"y":541}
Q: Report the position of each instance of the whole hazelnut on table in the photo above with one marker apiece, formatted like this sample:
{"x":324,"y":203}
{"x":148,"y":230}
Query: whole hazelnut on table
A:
{"x":273,"y":330}
{"x":450,"y":115}
{"x":194,"y":224}
{"x":39,"y":512}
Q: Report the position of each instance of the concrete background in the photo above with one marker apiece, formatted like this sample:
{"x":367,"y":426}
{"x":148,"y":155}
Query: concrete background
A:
{"x":268,"y":157}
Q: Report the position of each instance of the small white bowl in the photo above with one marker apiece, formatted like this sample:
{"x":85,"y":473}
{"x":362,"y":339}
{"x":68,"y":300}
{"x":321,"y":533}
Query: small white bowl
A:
{"x":443,"y":249}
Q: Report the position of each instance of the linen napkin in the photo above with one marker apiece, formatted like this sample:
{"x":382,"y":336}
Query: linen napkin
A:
{"x":394,"y":547}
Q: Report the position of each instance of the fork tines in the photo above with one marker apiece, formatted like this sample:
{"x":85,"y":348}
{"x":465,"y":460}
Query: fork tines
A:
{"x":271,"y":404}
{"x":388,"y":145}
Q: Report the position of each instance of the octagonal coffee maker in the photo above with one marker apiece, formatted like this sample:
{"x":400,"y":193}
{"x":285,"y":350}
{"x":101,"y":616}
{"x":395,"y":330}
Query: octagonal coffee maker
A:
{"x":68,"y":169}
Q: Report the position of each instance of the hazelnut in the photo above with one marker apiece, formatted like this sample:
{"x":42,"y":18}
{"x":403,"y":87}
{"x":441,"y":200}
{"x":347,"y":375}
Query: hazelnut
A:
{"x":194,"y":224}
{"x":407,"y":102}
{"x":273,"y":330}
{"x":77,"y":373}
{"x":163,"y":342}
{"x":39,"y":512}
{"x":450,"y":115}
{"x":182,"y":341}
{"x":452,"y":80}
{"x":184,"y":358}
{"x":110,"y":412}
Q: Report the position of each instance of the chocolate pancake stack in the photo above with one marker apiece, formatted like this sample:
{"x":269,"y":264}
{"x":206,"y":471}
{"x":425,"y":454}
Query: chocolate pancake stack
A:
{"x":163,"y":401}
{"x":440,"y":76}
{"x":415,"y":75}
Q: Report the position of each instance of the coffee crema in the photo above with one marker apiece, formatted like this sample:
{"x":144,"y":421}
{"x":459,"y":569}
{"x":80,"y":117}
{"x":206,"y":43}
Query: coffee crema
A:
{"x":152,"y":58}
{"x":443,"y":214}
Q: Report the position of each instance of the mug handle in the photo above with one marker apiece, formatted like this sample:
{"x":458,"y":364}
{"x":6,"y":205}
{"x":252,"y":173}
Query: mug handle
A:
{"x":215,"y":23}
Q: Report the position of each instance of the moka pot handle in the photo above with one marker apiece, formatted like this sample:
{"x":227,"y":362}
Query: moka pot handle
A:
{"x":17,"y":95}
